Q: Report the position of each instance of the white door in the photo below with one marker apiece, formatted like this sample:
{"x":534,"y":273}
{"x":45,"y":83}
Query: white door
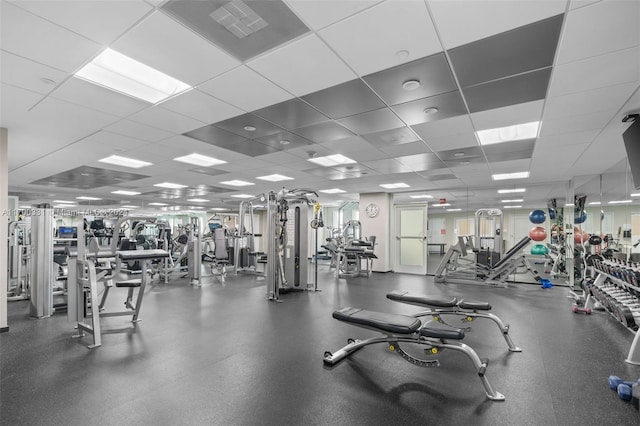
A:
{"x":411,"y":239}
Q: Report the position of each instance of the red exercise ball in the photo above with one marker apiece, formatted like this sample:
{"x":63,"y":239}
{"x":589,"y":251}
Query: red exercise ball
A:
{"x":580,"y":237}
{"x":538,"y":233}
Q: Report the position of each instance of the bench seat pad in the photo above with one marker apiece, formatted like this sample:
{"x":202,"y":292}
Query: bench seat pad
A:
{"x":393,"y":323}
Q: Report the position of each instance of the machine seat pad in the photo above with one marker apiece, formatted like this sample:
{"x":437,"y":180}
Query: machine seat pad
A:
{"x":393,"y":323}
{"x":423,"y":299}
{"x":442,"y":333}
{"x":474,"y":305}
{"x":129,"y":283}
{"x":142,"y":254}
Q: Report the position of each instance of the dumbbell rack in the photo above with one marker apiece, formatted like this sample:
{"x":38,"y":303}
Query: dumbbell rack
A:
{"x":616,"y":287}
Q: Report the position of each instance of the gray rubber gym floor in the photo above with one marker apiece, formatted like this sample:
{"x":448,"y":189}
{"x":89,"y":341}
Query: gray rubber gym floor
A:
{"x":222,"y":355}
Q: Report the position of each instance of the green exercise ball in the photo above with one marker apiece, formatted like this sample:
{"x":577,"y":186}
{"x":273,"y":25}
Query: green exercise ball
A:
{"x":539,"y":250}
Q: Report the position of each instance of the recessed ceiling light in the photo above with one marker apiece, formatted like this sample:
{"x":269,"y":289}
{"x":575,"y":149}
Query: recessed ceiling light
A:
{"x":249,"y":128}
{"x":441,"y":205}
{"x":412,"y":84}
{"x":125,"y":162}
{"x":123,"y":74}
{"x":57,"y":206}
{"x":158,"y":204}
{"x":274,"y":178}
{"x":421,"y":196}
{"x":243,"y":196}
{"x":219,"y":209}
{"x":569,"y":205}
{"x":510,"y":133}
{"x":48,"y":81}
{"x":465,"y":162}
{"x":237,"y":182}
{"x":505,"y":176}
{"x":333,"y":191}
{"x":199,"y":160}
{"x":430,"y":110}
{"x":402,"y":54}
{"x":123,"y":192}
{"x":459,"y":154}
{"x":88,"y":198}
{"x":284,"y":142}
{"x":170,"y":185}
{"x":620,"y":202}
{"x":332,"y":160}
{"x":196,"y":207}
{"x":454,"y":210}
{"x":595,"y":203}
{"x":635,"y":195}
{"x":512,"y":207}
{"x":130,"y":207}
{"x":511,"y":191}
{"x":198,"y":200}
{"x":395,"y":185}
{"x":65,"y":202}
{"x":515,"y":200}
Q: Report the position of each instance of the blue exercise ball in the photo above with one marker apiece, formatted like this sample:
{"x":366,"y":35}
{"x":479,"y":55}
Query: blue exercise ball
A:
{"x":537,"y":216}
{"x":552,"y":214}
{"x":581,"y":218}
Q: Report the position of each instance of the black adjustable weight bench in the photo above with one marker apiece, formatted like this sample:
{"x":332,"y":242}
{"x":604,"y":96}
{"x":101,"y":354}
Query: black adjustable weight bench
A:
{"x":405,"y":329}
{"x":445,"y":305}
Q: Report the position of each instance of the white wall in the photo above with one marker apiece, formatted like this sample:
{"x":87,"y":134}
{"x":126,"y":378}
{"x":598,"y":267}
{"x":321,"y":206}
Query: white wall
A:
{"x":380,"y":226}
{"x":4,"y":227}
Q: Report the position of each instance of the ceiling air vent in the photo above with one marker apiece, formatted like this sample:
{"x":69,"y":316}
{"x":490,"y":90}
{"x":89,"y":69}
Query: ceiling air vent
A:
{"x":238,"y":18}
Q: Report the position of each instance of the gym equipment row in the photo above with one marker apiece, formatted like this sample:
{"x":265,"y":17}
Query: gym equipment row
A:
{"x":411,"y":330}
{"x":19,"y":261}
{"x":349,"y":251}
{"x":616,"y":288}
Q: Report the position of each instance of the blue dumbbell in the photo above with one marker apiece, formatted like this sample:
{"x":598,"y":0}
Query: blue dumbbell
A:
{"x":614,"y":381}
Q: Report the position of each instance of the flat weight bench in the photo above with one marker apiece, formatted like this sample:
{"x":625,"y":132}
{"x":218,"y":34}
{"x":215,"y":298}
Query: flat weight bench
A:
{"x":445,"y":305}
{"x":407,"y":329}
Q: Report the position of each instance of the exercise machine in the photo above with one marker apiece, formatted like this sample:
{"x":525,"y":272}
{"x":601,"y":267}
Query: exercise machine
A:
{"x":246,"y":256}
{"x":19,"y":261}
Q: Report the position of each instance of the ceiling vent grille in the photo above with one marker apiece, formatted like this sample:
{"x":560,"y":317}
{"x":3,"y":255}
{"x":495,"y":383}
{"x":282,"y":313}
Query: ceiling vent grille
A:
{"x":238,"y":18}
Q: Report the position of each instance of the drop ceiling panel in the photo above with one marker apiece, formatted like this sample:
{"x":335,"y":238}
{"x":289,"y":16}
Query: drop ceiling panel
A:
{"x":461,"y":22}
{"x":273,"y":22}
{"x":291,"y":114}
{"x":180,"y":145}
{"x":589,"y":101}
{"x":304,"y":66}
{"x":443,"y":143}
{"x":432,"y":72}
{"x":508,"y":91}
{"x":407,"y":26}
{"x":460,"y":154}
{"x":319,"y":14}
{"x":508,"y":116}
{"x":201,"y":106}
{"x":34,"y":38}
{"x":564,"y":140}
{"x":27,"y":74}
{"x":166,"y":120}
{"x":292,"y":141}
{"x":522,"y":49}
{"x":419,"y":162}
{"x":387,"y":138}
{"x":446,"y":127}
{"x":85,"y":177}
{"x":509,"y":156}
{"x":606,"y":70}
{"x":448,"y":105}
{"x":97,"y":97}
{"x":138,"y":130}
{"x":245,"y":89}
{"x":324,"y":132}
{"x":176,"y":50}
{"x":370,"y":154}
{"x":100,"y":21}
{"x":387,"y":166}
{"x":618,"y":28}
{"x":215,"y":136}
{"x":372,"y":122}
{"x":577,"y":123}
{"x":236,"y":125}
{"x":509,"y":167}
{"x":350,"y":98}
{"x":113,"y":141}
{"x":251,"y":148}
{"x":412,"y":148}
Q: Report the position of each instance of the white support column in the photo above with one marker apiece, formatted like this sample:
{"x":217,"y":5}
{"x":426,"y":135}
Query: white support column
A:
{"x":4,"y":205}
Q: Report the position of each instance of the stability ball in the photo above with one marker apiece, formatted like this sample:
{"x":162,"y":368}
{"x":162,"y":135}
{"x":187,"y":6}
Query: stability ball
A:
{"x":580,"y":236}
{"x":581,"y":218}
{"x":539,"y":250}
{"x":538,"y":233}
{"x":537,"y":216}
{"x":552,"y":214}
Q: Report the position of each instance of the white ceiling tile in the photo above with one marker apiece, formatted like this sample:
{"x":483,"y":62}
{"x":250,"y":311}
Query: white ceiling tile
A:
{"x":138,"y":131}
{"x":510,"y":166}
{"x":605,"y":70}
{"x":508,"y":116}
{"x":31,"y":37}
{"x":168,"y":46}
{"x":573,"y":124}
{"x":245,"y":89}
{"x":565,"y":140}
{"x":446,"y":127}
{"x":27,"y":74}
{"x":574,"y":4}
{"x":445,"y":143}
{"x":318,"y":14}
{"x":201,"y":107}
{"x":618,"y":27}
{"x":97,"y":97}
{"x":461,"y":22}
{"x":113,"y":141}
{"x":167,"y":120}
{"x":369,"y":41}
{"x":604,"y":98}
{"x":179,"y":145}
{"x":412,"y":148}
{"x":98,"y":20}
{"x":302,"y":67}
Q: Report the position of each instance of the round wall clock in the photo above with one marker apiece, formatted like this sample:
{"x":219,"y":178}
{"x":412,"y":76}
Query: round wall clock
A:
{"x":372,"y":210}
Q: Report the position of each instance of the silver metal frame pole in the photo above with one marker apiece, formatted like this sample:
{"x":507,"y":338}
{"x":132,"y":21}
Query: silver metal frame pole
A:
{"x":41,"y":301}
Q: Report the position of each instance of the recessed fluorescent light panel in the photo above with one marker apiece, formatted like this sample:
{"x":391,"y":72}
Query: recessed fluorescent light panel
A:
{"x":332,"y":160}
{"x":333,"y":191}
{"x":198,"y":200}
{"x":421,"y":196}
{"x":595,"y":203}
{"x":199,"y":160}
{"x":512,"y":207}
{"x":517,"y":132}
{"x":454,"y":210}
{"x":274,"y":178}
{"x":130,"y":207}
{"x":505,"y":176}
{"x":515,"y":200}
{"x":620,"y":202}
{"x":635,"y":195}
{"x":88,"y":198}
{"x":64,"y":202}
{"x":512,"y":191}
{"x":123,"y":74}
{"x":441,"y":205}
{"x":169,"y":185}
{"x":123,"y":192}
{"x":237,"y":182}
{"x":243,"y":196}
{"x":158,"y":204}
{"x":395,"y":185}
{"x":125,"y":162}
